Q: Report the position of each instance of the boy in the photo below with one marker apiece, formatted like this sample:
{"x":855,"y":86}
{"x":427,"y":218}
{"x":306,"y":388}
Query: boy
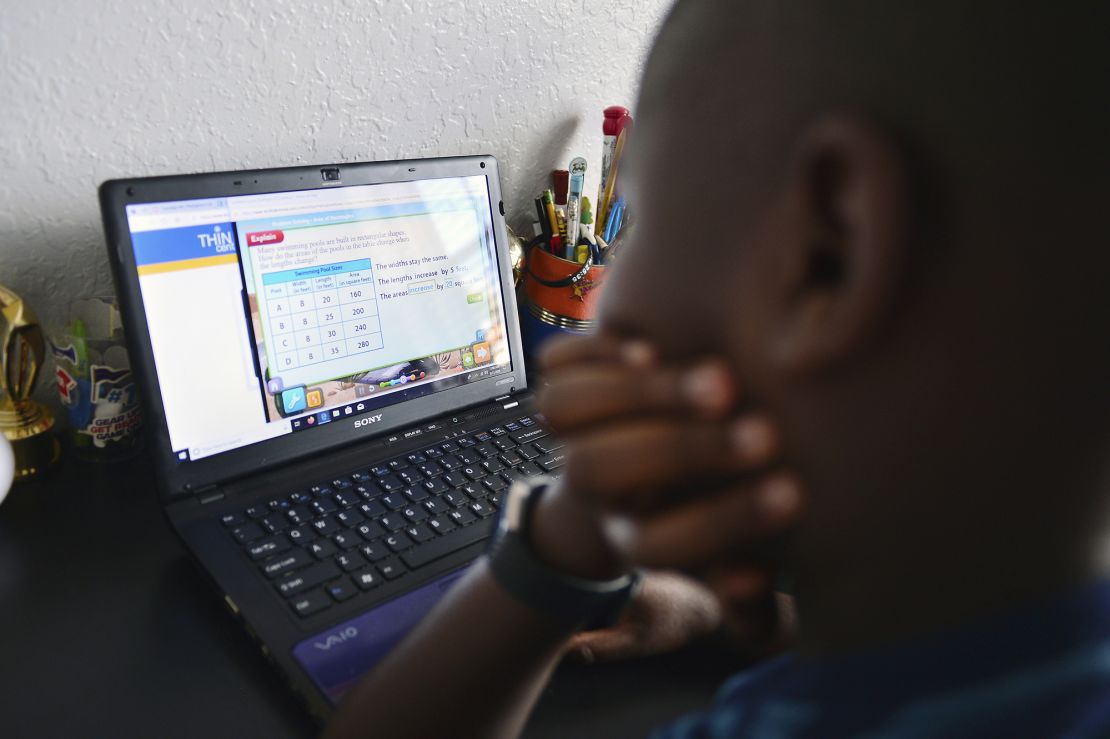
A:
{"x":887,"y":223}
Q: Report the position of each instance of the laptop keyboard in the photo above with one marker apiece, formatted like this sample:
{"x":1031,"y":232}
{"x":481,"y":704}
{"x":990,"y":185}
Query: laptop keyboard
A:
{"x":328,"y":543}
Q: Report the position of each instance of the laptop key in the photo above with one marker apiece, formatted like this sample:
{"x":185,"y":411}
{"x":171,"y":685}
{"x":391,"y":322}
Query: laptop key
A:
{"x":346,"y":539}
{"x":529,"y":469}
{"x":411,"y":476}
{"x":398,"y":541}
{"x":286,"y":562}
{"x":389,"y":483}
{"x":526,"y":421}
{"x":469,"y":457}
{"x":349,"y":517}
{"x":267,"y":547}
{"x":347,"y":498}
{"x":448,"y":544}
{"x":350,"y":561}
{"x":481,"y":509}
{"x":454,"y":498}
{"x":482,"y":436}
{"x":395,"y":501}
{"x":310,"y":603}
{"x":278,"y":504}
{"x":475,"y":490}
{"x":256,"y":511}
{"x":420,"y":533}
{"x":302,"y":534}
{"x":449,"y":447}
{"x":511,"y":475}
{"x":434,"y":506}
{"x":374,"y":552}
{"x":326,"y":526}
{"x":527,"y":451}
{"x":435,"y":486}
{"x":548,"y":445}
{"x":486,"y":450}
{"x":449,"y":462}
{"x":373,"y":508}
{"x":322,"y":548}
{"x":512,"y":426}
{"x":324,"y":506}
{"x":465,"y":441}
{"x":442,"y":524}
{"x":275,"y":523}
{"x":416,"y":458}
{"x":462,"y":516}
{"x":492,"y":465}
{"x":391,"y":568}
{"x":380,"y":471}
{"x":232,"y":519}
{"x":523,"y":437}
{"x":511,"y":458}
{"x":392,"y":521}
{"x":366,"y":579}
{"x":399,"y":463}
{"x":247,"y":532}
{"x":474,"y":473}
{"x":455,"y":479}
{"x":298,"y":515}
{"x":341,"y":590}
{"x":339,"y":483}
{"x":504,"y":444}
{"x":370,"y":530}
{"x":416,"y":514}
{"x":495,"y":483}
{"x":552,"y":461}
{"x":431,"y":469}
{"x":307,"y":578}
{"x":416,"y":494}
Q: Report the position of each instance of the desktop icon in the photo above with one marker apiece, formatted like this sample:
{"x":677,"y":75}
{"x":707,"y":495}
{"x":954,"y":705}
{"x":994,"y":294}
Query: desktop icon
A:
{"x":293,"y":401}
{"x":335,"y":413}
{"x":468,"y":360}
{"x":314,"y":398}
{"x":481,"y":353}
{"x":480,"y":335}
{"x":275,"y":385}
{"x":360,"y":407}
{"x":347,"y":411}
{"x":323,"y":417}
{"x":311,"y":420}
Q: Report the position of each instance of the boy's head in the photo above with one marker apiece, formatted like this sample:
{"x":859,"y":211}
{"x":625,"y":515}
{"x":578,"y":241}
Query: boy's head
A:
{"x":892,"y":219}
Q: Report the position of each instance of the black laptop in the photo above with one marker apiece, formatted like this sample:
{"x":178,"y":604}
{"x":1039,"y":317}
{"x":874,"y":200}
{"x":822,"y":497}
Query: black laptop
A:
{"x":331,"y":366}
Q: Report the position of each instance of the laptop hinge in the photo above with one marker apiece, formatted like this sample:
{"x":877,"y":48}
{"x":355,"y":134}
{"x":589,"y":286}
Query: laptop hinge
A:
{"x":207,"y":494}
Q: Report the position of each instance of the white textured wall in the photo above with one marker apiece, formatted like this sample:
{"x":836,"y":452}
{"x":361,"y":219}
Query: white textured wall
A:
{"x":92,"y":90}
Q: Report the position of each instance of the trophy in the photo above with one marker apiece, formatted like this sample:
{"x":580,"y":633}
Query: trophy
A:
{"x":24,"y":422}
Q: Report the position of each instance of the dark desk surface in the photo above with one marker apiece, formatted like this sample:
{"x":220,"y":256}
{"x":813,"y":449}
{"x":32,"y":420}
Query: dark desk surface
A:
{"x":107,"y":629}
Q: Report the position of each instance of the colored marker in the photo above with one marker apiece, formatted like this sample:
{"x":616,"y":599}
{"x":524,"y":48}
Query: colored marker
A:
{"x":552,"y":220}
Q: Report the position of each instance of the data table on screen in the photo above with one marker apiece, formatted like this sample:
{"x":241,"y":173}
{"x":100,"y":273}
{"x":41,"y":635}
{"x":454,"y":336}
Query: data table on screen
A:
{"x":313,"y":319}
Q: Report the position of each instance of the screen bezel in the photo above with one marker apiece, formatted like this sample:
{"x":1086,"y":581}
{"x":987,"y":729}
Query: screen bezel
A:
{"x":184,"y":478}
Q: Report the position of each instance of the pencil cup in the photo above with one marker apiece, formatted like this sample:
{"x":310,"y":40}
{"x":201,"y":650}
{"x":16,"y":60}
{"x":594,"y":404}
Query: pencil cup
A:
{"x":95,"y":384}
{"x":560,"y":296}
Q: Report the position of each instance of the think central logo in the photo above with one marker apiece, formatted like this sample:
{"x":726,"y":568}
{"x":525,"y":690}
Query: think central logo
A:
{"x":337,"y":638}
{"x":219,"y":240}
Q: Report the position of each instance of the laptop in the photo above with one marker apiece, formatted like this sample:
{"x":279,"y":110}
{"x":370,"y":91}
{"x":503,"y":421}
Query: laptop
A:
{"x":335,"y":393}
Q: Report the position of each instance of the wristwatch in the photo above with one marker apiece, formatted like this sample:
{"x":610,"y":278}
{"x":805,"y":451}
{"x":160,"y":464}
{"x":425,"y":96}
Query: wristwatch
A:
{"x":575,"y":601}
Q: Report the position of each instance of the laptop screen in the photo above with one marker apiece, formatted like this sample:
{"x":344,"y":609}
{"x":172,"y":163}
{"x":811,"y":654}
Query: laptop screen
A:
{"x":279,"y":313}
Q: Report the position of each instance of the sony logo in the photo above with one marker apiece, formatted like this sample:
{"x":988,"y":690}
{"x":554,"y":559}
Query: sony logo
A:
{"x":337,"y":638}
{"x":368,"y":420}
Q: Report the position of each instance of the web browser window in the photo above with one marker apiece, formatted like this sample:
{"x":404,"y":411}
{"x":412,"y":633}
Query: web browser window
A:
{"x":274,"y":314}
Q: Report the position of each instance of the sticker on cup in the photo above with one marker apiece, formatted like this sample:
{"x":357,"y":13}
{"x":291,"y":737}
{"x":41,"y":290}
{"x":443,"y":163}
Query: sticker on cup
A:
{"x":95,"y":384}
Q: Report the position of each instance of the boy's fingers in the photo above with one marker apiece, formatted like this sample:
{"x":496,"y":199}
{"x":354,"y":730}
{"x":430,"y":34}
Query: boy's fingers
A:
{"x":709,"y":530}
{"x":596,"y":393}
{"x":563,"y":351}
{"x":630,"y":465}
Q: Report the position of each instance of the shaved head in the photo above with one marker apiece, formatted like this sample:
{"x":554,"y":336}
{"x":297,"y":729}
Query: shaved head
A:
{"x":890,"y":217}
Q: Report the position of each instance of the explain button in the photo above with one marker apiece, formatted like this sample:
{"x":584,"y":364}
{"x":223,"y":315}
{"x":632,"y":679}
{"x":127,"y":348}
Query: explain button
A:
{"x":260,"y":238}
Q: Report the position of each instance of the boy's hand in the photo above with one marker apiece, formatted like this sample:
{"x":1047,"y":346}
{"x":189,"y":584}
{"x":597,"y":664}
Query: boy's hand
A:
{"x":657,"y":458}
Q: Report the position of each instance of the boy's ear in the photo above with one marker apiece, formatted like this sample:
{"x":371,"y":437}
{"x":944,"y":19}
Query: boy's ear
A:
{"x":840,"y":242}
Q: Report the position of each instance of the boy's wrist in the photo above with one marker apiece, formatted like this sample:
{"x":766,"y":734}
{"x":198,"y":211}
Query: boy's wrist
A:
{"x":566,"y":535}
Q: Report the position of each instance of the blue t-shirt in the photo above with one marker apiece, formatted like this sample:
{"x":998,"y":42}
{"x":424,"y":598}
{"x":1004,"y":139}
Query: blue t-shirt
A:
{"x":1040,"y":671}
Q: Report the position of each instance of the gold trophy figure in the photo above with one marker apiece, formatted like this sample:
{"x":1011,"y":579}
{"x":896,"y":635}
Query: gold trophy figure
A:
{"x":24,"y":422}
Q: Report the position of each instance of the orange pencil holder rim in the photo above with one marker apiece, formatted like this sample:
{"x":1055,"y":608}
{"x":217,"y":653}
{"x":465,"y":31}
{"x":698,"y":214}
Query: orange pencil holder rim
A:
{"x":561,"y":292}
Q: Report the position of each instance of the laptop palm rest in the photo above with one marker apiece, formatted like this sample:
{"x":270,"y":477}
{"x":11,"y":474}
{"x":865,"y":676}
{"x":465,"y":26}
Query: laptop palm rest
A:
{"x":335,"y":659}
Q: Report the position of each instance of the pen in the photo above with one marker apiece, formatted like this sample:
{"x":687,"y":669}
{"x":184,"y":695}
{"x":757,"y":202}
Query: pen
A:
{"x":553,"y":222}
{"x":574,"y":202}
{"x":617,"y":119}
{"x":610,"y":185}
{"x":545,"y":225}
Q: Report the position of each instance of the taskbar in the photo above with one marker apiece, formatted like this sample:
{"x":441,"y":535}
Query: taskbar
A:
{"x":369,"y":404}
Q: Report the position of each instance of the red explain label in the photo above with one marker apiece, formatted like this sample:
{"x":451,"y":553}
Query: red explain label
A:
{"x":259,"y":238}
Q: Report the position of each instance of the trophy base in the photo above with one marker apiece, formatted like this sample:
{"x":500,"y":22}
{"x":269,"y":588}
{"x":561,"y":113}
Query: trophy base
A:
{"x":27,"y":425}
